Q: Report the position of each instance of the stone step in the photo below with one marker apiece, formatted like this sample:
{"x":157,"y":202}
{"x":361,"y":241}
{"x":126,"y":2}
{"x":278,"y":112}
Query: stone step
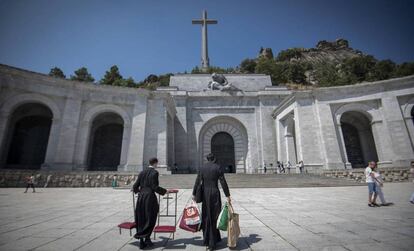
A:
{"x":186,"y":181}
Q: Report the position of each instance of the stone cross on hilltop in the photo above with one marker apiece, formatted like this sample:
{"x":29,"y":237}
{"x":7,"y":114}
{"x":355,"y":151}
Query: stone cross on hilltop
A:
{"x":204,"y":50}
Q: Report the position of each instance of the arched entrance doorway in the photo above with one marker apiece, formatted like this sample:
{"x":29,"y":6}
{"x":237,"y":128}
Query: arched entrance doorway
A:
{"x":358,"y":139}
{"x":222,"y":146}
{"x":29,"y":130}
{"x":228,"y":133}
{"x":105,"y":142}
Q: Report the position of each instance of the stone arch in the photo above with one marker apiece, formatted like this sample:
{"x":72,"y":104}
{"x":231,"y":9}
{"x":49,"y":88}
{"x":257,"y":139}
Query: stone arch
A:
{"x":15,"y":101}
{"x":28,"y":135}
{"x":358,"y":139}
{"x":372,"y":114}
{"x":235,"y":129}
{"x":408,"y":109}
{"x":105,"y":142}
{"x":96,"y":110}
{"x":81,"y":159}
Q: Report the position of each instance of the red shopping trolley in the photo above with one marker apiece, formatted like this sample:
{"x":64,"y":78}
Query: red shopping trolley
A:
{"x":168,"y":214}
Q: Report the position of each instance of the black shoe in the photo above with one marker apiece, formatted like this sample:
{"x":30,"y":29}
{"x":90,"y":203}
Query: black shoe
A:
{"x":142,"y":244}
{"x":148,"y":242}
{"x":375,"y":205}
{"x":371,"y":205}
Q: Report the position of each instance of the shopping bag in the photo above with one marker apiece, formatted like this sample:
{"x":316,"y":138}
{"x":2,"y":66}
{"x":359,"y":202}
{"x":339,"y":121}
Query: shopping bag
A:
{"x":233,"y":230}
{"x":191,"y":218}
{"x":223,"y":218}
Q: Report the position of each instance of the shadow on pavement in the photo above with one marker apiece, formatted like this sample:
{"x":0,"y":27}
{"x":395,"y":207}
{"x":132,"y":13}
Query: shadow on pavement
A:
{"x":182,"y":242}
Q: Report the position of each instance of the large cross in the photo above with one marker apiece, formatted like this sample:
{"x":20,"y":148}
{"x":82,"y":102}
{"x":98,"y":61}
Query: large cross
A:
{"x":204,"y":48}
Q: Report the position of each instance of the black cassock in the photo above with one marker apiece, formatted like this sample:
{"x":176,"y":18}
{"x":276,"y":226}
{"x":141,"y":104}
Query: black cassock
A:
{"x":209,"y":175}
{"x":147,"y":207}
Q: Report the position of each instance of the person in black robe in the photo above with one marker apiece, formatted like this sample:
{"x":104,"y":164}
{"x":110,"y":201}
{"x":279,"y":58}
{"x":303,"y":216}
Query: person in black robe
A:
{"x":147,"y":208}
{"x":208,"y":176}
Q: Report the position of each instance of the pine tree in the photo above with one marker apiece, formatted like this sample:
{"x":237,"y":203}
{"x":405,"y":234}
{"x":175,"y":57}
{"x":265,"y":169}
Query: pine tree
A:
{"x":56,"y":72}
{"x":111,"y":76}
{"x":82,"y":75}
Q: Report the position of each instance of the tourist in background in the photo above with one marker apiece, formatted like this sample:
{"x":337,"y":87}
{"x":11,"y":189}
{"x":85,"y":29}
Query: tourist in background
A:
{"x":279,"y":168}
{"x":30,"y":183}
{"x":147,"y":208}
{"x":372,"y":186}
{"x":288,"y":166}
{"x":48,"y":179}
{"x":379,"y":185}
{"x":208,"y":177}
{"x":301,"y":166}
{"x":265,"y":168}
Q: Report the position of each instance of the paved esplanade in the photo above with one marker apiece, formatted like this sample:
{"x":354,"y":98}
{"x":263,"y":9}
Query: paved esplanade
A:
{"x":335,"y":218}
{"x":205,"y":61}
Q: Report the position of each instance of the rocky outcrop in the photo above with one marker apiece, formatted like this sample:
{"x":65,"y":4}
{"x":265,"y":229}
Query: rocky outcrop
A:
{"x":266,"y":53}
{"x":325,"y":52}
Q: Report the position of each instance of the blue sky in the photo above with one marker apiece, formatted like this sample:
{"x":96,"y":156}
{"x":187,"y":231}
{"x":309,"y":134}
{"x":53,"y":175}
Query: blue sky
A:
{"x":152,"y":37}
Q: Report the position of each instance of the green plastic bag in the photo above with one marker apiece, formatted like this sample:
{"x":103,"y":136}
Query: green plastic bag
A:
{"x":223,"y":219}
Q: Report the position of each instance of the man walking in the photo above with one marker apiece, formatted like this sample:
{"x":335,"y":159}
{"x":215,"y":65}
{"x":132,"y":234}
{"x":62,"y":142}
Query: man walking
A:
{"x":30,"y":183}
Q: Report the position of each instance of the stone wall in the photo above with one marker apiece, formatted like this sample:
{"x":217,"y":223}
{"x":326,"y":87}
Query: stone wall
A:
{"x":16,"y":178}
{"x":388,"y":174}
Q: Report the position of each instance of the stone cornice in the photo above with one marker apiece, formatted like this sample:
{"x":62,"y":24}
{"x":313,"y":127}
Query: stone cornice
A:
{"x":44,"y":79}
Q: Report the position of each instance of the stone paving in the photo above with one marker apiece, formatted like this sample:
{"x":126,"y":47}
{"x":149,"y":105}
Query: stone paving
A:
{"x":320,"y":218}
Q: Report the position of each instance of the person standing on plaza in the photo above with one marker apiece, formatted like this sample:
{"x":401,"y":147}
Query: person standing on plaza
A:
{"x":288,"y":166}
{"x":372,"y":185}
{"x":208,"y":177}
{"x":379,"y":183}
{"x":301,"y":166}
{"x":147,"y":208}
{"x":282,"y":167}
{"x":30,"y":183}
{"x":265,"y":168}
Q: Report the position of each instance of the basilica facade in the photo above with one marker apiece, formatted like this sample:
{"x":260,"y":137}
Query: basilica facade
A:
{"x":57,"y":124}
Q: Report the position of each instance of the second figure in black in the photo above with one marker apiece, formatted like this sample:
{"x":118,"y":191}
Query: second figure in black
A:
{"x":147,"y":208}
{"x":208,"y":176}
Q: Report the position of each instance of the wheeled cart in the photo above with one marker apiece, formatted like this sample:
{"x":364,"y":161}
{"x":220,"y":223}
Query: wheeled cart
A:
{"x":161,"y":228}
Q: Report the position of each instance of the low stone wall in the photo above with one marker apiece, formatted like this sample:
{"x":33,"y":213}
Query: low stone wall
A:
{"x":388,"y":174}
{"x":17,"y":178}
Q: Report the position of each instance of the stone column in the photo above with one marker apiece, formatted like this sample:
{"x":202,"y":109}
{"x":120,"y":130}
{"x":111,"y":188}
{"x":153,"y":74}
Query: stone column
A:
{"x":341,"y":142}
{"x":65,"y":152}
{"x":82,"y":146}
{"x":180,"y":133}
{"x":162,"y":153}
{"x":382,"y":144}
{"x":53,"y":141}
{"x":126,"y":134}
{"x":400,"y":140}
{"x":4,"y":120}
{"x":135,"y":154}
{"x":331,"y":152}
